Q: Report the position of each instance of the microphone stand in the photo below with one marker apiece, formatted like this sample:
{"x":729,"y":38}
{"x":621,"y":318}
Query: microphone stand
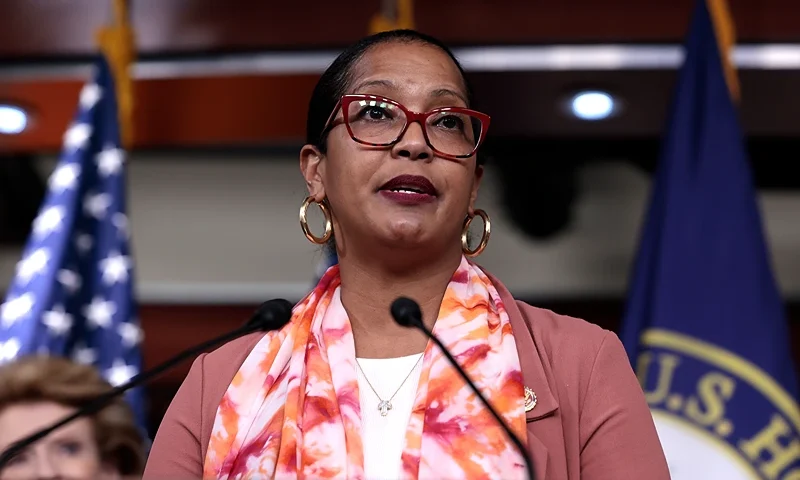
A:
{"x":407,"y":313}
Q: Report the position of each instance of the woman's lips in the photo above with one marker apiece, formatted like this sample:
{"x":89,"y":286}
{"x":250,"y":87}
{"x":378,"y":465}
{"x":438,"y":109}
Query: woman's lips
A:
{"x":407,"y":197}
{"x":409,"y":190}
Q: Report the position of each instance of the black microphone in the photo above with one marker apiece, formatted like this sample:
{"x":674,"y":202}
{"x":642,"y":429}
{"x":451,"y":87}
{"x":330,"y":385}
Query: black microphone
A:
{"x":271,"y":315}
{"x":406,"y":312}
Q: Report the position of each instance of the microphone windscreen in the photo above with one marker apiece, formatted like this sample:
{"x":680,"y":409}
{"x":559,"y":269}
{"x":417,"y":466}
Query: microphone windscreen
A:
{"x":271,"y":315}
{"x":406,"y":312}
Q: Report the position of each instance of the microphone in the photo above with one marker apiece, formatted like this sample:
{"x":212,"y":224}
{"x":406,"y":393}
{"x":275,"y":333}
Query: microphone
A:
{"x":406,"y":312}
{"x":271,"y":315}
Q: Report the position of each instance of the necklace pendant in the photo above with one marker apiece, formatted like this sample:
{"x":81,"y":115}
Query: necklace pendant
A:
{"x":384,"y":407}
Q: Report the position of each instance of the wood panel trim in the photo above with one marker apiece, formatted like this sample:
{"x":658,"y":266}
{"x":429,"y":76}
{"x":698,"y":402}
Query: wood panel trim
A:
{"x":261,"y":100}
{"x":487,"y":58}
{"x":211,"y":25}
{"x":182,"y":112}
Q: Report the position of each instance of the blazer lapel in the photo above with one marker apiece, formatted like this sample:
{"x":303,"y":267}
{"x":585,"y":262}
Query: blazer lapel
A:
{"x":533,"y":376}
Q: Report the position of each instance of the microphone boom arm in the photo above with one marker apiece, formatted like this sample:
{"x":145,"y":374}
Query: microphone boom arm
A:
{"x":271,"y":315}
{"x":406,"y":312}
{"x":103,"y":400}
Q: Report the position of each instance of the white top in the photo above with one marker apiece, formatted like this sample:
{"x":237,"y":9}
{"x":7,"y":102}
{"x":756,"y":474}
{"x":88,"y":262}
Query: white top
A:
{"x":385,"y":437}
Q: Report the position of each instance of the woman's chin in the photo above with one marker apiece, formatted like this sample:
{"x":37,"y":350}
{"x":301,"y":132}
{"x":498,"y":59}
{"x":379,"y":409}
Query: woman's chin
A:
{"x":407,"y":237}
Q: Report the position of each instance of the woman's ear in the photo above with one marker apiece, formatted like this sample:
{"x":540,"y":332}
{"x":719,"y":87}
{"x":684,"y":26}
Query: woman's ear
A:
{"x":476,"y":184}
{"x":313,"y":169}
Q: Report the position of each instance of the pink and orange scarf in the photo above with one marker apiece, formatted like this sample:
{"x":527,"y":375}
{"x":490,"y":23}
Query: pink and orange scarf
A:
{"x":293,"y":411}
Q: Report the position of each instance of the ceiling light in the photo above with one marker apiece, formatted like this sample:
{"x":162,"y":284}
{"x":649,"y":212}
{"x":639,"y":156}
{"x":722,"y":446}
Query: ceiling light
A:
{"x":13,"y":120}
{"x":592,"y":105}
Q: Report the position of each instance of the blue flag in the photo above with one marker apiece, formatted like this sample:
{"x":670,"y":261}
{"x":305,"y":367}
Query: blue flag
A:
{"x":704,"y":325}
{"x":330,"y":259}
{"x":72,"y":294}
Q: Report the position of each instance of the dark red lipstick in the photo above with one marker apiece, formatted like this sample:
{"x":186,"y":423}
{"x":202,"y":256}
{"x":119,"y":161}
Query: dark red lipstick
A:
{"x":409,"y":190}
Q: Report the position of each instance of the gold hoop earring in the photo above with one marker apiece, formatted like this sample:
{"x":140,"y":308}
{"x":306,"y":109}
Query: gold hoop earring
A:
{"x":487,"y":231}
{"x":304,"y":221}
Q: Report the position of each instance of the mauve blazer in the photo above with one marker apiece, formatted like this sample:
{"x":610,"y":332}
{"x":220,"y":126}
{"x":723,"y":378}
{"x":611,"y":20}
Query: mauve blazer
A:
{"x":591,"y":421}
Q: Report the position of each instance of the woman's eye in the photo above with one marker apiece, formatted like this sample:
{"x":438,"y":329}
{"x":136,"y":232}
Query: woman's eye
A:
{"x":450,"y":122}
{"x":70,"y":448}
{"x":374,"y":113}
{"x":18,"y":459}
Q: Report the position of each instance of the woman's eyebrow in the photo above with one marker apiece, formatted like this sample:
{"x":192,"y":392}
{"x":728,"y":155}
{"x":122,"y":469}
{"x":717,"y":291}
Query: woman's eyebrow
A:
{"x":376,"y":83}
{"x":436,"y":93}
{"x":447,"y":92}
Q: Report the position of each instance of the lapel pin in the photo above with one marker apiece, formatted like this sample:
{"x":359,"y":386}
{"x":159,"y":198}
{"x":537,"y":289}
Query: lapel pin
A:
{"x":530,"y":399}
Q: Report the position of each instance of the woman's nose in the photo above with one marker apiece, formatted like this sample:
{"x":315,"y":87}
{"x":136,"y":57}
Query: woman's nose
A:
{"x":412,"y":144}
{"x":46,"y":468}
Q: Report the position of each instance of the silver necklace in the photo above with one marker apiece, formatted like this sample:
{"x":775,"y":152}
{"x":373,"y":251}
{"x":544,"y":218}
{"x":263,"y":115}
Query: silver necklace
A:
{"x":385,"y":405}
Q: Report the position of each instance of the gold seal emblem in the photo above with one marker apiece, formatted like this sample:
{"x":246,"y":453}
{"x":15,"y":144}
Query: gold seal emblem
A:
{"x":530,"y":399}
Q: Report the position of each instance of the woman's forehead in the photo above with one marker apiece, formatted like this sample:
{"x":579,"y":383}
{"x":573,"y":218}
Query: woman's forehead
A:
{"x":21,"y":419}
{"x":409,"y":69}
{"x":391,"y":89}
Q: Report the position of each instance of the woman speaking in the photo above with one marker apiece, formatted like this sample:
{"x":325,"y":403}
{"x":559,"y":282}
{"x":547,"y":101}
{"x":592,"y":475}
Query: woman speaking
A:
{"x":344,"y":392}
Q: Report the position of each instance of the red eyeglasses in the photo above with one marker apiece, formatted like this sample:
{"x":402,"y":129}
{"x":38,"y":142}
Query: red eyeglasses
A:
{"x":452,"y":132}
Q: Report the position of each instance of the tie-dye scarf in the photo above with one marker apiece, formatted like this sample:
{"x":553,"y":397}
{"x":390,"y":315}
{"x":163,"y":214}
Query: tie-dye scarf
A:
{"x":293,"y":411}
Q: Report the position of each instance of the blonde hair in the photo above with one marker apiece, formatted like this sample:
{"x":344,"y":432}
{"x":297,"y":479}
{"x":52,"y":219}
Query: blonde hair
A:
{"x":58,"y":380}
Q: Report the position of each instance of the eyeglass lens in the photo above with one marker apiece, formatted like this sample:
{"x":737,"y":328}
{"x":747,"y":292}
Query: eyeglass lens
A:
{"x":378,"y":122}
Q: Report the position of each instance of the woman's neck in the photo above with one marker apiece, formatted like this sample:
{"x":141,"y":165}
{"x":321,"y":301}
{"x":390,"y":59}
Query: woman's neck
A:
{"x":368,"y":290}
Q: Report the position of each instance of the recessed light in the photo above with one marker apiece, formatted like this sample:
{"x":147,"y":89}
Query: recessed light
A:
{"x":13,"y":119}
{"x":592,"y":105}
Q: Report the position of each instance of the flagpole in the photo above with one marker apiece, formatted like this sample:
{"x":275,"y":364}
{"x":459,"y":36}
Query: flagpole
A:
{"x":394,"y":14}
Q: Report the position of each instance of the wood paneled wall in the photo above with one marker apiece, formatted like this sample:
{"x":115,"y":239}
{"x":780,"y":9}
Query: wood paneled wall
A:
{"x":50,"y":28}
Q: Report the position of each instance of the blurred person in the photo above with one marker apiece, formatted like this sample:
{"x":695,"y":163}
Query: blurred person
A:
{"x":343,"y":391}
{"x":38,"y":391}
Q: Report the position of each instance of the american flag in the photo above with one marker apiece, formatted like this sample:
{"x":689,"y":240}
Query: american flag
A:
{"x":72,"y":294}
